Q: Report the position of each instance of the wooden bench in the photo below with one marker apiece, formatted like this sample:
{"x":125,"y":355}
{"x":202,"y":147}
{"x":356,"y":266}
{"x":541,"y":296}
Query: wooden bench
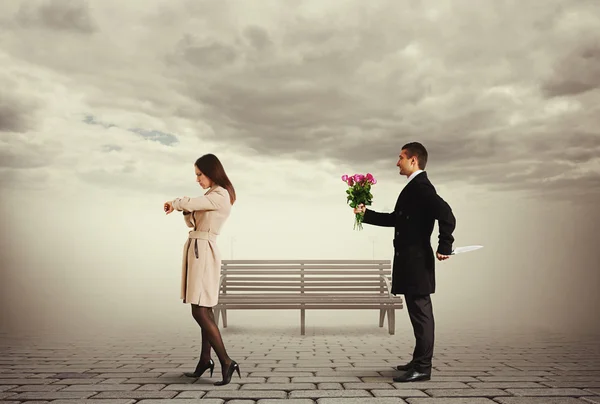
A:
{"x":307,"y":285}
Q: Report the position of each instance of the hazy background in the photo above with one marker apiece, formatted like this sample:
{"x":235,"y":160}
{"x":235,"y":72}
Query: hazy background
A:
{"x":105,"y":105}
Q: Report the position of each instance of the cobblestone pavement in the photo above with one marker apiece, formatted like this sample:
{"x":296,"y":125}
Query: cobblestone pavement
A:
{"x":327,"y":366}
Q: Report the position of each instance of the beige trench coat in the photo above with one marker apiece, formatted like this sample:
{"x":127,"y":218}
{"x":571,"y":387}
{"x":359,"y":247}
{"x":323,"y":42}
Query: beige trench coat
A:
{"x":201,"y":266}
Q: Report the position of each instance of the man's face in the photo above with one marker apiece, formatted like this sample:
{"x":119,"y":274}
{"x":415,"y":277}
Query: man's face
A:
{"x":407,"y":165}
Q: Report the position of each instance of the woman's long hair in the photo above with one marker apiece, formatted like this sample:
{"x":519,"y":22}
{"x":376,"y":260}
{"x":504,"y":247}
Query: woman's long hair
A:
{"x":210,"y":166}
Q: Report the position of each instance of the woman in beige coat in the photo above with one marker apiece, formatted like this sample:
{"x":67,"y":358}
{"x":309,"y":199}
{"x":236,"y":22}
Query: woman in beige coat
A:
{"x":202,"y":261}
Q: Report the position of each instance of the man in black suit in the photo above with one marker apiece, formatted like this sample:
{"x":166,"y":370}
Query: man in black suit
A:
{"x":413,"y":275}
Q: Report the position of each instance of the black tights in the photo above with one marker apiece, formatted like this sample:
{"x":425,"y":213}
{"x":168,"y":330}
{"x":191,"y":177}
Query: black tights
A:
{"x":211,"y":337}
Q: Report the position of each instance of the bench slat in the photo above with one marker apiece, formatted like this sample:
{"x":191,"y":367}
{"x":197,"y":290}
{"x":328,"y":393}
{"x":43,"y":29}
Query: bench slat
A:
{"x":305,"y":298}
{"x":308,"y":261}
{"x":309,"y":306}
{"x":274,"y":267}
{"x":307,"y":279}
{"x":298,"y":284}
{"x":298,"y":272}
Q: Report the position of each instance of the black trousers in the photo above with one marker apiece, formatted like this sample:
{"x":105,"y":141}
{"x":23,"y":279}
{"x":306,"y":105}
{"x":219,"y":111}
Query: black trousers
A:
{"x":420,"y":311}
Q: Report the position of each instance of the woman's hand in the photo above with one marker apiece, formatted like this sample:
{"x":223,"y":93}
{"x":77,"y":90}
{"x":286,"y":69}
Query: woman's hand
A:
{"x":168,"y":207}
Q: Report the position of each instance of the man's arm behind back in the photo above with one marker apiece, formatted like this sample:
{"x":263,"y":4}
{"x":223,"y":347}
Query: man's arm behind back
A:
{"x":439,"y":209}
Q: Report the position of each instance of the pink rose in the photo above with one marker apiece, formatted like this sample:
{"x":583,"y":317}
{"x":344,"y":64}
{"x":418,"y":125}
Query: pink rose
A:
{"x":344,"y":178}
{"x":351,"y":181}
{"x":369,"y":177}
{"x":374,"y":181}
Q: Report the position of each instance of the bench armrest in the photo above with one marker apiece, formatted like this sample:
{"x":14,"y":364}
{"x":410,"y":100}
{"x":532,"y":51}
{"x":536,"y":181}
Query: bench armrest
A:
{"x":388,"y":285}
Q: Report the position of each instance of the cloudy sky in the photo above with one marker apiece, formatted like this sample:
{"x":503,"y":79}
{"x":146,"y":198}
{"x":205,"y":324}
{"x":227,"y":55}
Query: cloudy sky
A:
{"x":105,"y":105}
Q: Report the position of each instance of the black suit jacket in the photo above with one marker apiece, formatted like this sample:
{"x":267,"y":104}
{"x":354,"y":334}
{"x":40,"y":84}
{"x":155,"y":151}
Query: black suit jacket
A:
{"x":413,"y":218}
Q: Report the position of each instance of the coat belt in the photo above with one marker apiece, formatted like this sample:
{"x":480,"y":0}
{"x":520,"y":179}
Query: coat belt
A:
{"x":202,"y":235}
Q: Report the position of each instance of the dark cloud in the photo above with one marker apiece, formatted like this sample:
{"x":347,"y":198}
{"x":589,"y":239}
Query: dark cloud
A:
{"x":61,"y":15}
{"x":211,"y":54}
{"x":17,"y":111}
{"x":12,"y":118}
{"x":575,"y":73}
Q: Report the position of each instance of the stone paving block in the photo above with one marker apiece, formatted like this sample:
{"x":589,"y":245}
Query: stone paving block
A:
{"x":7,"y":386}
{"x":181,"y":401}
{"x":246,"y":394}
{"x":344,"y":373}
{"x":539,"y":400}
{"x":550,"y":392}
{"x":101,"y":387}
{"x":121,"y":401}
{"x":51,"y":395}
{"x":38,"y":387}
{"x":164,"y":380}
{"x":200,"y":387}
{"x":286,"y":401}
{"x":4,"y":396}
{"x":362,"y":400}
{"x":138,"y":395}
{"x":466,"y":392}
{"x":511,"y":378}
{"x":581,"y":384}
{"x":77,"y":381}
{"x":278,"y":379}
{"x":367,"y":386}
{"x":591,"y":399}
{"x":289,"y":369}
{"x":457,"y":400}
{"x":332,"y":379}
{"x":279,"y":386}
{"x":115,"y":381}
{"x":280,"y":374}
{"x":398,"y":393}
{"x":330,"y":386}
{"x":316,"y":394}
{"x":506,"y":385}
{"x":430,"y":385}
{"x":72,"y":375}
{"x":241,"y":402}
{"x":152,"y":387}
{"x":128,"y":375}
{"x":26,"y":381}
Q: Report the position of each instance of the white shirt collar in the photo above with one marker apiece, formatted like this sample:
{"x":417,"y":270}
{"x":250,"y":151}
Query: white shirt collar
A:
{"x":413,"y":175}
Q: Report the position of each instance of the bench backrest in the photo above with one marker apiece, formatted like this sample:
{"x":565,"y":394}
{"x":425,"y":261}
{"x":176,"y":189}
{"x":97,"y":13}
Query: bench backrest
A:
{"x":305,"y":276}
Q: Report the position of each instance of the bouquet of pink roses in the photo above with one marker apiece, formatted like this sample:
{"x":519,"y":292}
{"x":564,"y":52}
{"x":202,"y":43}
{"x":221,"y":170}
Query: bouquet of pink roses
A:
{"x":359,"y":191}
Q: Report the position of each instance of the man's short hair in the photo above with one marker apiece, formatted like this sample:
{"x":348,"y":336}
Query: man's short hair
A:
{"x":417,"y":150}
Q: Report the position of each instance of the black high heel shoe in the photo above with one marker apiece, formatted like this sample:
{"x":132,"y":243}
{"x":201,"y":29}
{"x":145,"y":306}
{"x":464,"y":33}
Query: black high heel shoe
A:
{"x":233,"y":366}
{"x":201,"y":368}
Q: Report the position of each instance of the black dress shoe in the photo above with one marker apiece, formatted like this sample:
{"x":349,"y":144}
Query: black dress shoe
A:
{"x":413,"y":375}
{"x":228,"y":372}
{"x":408,"y":366}
{"x":201,"y":368}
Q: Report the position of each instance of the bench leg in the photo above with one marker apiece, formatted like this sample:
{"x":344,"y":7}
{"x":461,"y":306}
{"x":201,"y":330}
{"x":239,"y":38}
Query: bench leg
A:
{"x":381,"y":317}
{"x":217,"y":313}
{"x":224,"y":317}
{"x":391,"y":321}
{"x":302,"y":321}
